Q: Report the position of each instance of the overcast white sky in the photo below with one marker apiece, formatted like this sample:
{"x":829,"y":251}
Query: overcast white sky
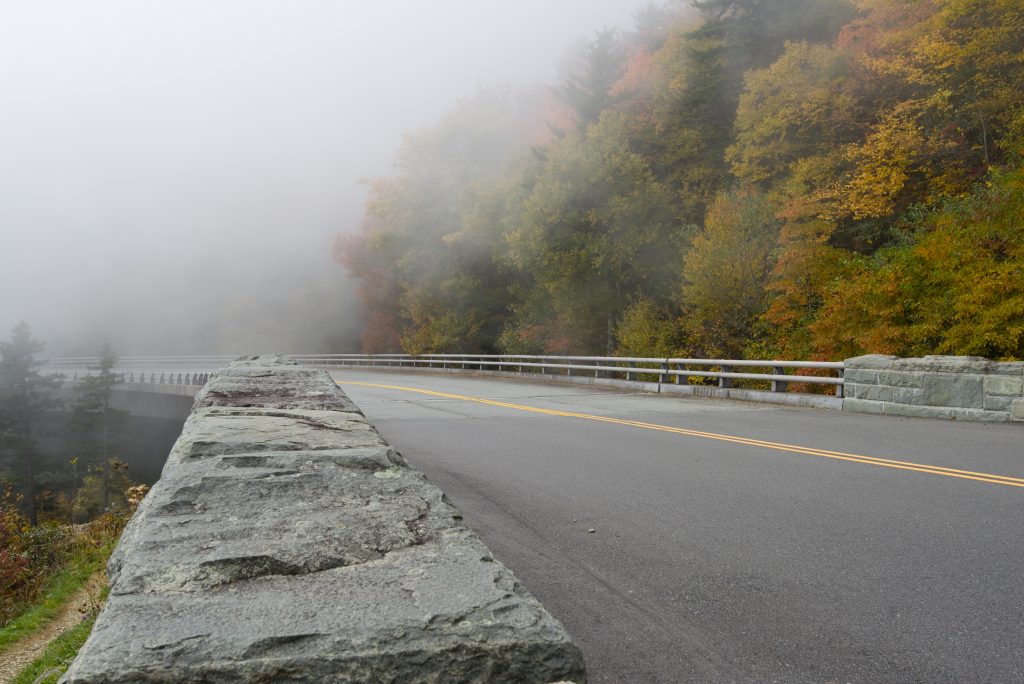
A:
{"x":159,"y":158}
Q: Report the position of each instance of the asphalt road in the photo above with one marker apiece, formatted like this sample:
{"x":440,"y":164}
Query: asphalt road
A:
{"x":717,"y":558}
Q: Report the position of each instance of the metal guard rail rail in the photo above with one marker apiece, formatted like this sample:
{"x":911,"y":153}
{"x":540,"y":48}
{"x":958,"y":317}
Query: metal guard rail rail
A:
{"x":668,"y":370}
{"x":174,"y":369}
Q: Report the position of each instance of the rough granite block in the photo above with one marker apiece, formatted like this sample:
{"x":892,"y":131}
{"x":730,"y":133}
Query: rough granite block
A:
{"x":912,"y":411}
{"x":947,"y":413}
{"x":958,"y":391}
{"x":869,"y":377}
{"x":1004,"y":385}
{"x":900,"y":379}
{"x":287,"y":542}
{"x":862,"y":405}
{"x":1008,"y":368}
{"x":1017,"y":409}
{"x":260,"y":381}
{"x":945,"y":364}
{"x":995,"y":402}
{"x":982,"y":415}
{"x":874,"y":393}
{"x":908,"y":395}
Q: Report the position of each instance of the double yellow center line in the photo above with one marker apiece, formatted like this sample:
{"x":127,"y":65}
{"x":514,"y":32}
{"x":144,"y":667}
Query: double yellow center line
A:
{"x":809,"y":451}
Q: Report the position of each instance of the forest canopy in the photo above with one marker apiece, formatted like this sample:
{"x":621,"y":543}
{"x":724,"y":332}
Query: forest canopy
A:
{"x":808,"y":179}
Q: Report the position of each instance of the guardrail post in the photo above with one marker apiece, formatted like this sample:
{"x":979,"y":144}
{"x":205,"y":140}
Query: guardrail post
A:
{"x":663,"y":379}
{"x":779,"y":385}
{"x":839,"y":387}
{"x":682,"y":379}
{"x":725,"y":382}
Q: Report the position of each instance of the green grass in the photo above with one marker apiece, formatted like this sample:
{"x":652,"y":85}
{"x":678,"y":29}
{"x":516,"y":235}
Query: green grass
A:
{"x":57,"y":657}
{"x":73,"y":577}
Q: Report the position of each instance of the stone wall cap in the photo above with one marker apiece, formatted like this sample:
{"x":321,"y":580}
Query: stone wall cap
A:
{"x":934,"y":363}
{"x":873,"y":361}
{"x":264,"y":360}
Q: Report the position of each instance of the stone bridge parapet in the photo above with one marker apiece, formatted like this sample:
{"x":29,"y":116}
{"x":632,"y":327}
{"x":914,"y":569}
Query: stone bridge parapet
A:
{"x":955,"y":387}
{"x":286,"y":541}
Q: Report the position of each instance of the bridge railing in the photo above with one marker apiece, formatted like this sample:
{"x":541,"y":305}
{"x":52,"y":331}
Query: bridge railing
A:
{"x":126,"y":377}
{"x":161,"y":370}
{"x":776,"y":374}
{"x":141,"y":363}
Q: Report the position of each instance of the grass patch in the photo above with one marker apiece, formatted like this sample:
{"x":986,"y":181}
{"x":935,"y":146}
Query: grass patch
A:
{"x":70,"y":579}
{"x":57,"y":657}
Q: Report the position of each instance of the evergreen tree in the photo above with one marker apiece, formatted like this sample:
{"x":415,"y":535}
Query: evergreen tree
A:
{"x":101,"y":425}
{"x":594,"y":68}
{"x":26,"y":397}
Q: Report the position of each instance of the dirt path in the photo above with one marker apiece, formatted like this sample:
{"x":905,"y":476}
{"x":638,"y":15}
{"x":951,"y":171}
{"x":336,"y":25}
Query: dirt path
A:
{"x":17,"y":656}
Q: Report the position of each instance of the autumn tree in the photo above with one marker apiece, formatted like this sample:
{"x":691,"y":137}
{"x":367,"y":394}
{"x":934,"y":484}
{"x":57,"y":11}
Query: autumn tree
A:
{"x":726,"y":271}
{"x":597,"y":230}
{"x":702,"y":68}
{"x":805,"y":104}
{"x":649,"y":329}
{"x":845,"y":161}
{"x":958,"y":290}
{"x":430,"y":252}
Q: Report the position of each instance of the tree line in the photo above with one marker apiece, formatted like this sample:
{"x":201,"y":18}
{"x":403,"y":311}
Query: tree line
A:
{"x":808,"y":179}
{"x":47,"y":476}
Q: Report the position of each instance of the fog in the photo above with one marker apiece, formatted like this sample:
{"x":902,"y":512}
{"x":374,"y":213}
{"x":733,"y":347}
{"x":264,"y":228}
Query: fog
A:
{"x":172,"y":173}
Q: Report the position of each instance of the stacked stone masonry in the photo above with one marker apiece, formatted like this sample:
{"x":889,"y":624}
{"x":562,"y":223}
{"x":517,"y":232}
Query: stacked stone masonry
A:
{"x":287,"y":542}
{"x":952,"y":387}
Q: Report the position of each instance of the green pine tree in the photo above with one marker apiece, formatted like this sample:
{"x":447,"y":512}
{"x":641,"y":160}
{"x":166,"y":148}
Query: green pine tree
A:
{"x":101,"y":425}
{"x":26,"y":397}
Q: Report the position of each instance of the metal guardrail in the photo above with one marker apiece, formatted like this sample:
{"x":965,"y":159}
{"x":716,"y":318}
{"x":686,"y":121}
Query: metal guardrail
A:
{"x":678,"y":371}
{"x":142,"y":363}
{"x":140,"y":378}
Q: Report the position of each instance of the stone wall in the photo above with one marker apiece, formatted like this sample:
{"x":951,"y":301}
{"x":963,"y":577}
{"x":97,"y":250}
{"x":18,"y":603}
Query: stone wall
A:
{"x":287,"y":542}
{"x":954,"y":387}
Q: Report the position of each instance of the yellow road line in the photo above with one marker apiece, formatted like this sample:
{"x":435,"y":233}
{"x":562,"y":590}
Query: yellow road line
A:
{"x":810,"y":451}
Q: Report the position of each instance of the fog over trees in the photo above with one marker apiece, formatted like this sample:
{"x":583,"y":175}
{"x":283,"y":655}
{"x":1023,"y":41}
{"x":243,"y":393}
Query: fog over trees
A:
{"x":795,"y":178}
{"x":803,"y":179}
{"x":173,"y":174}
